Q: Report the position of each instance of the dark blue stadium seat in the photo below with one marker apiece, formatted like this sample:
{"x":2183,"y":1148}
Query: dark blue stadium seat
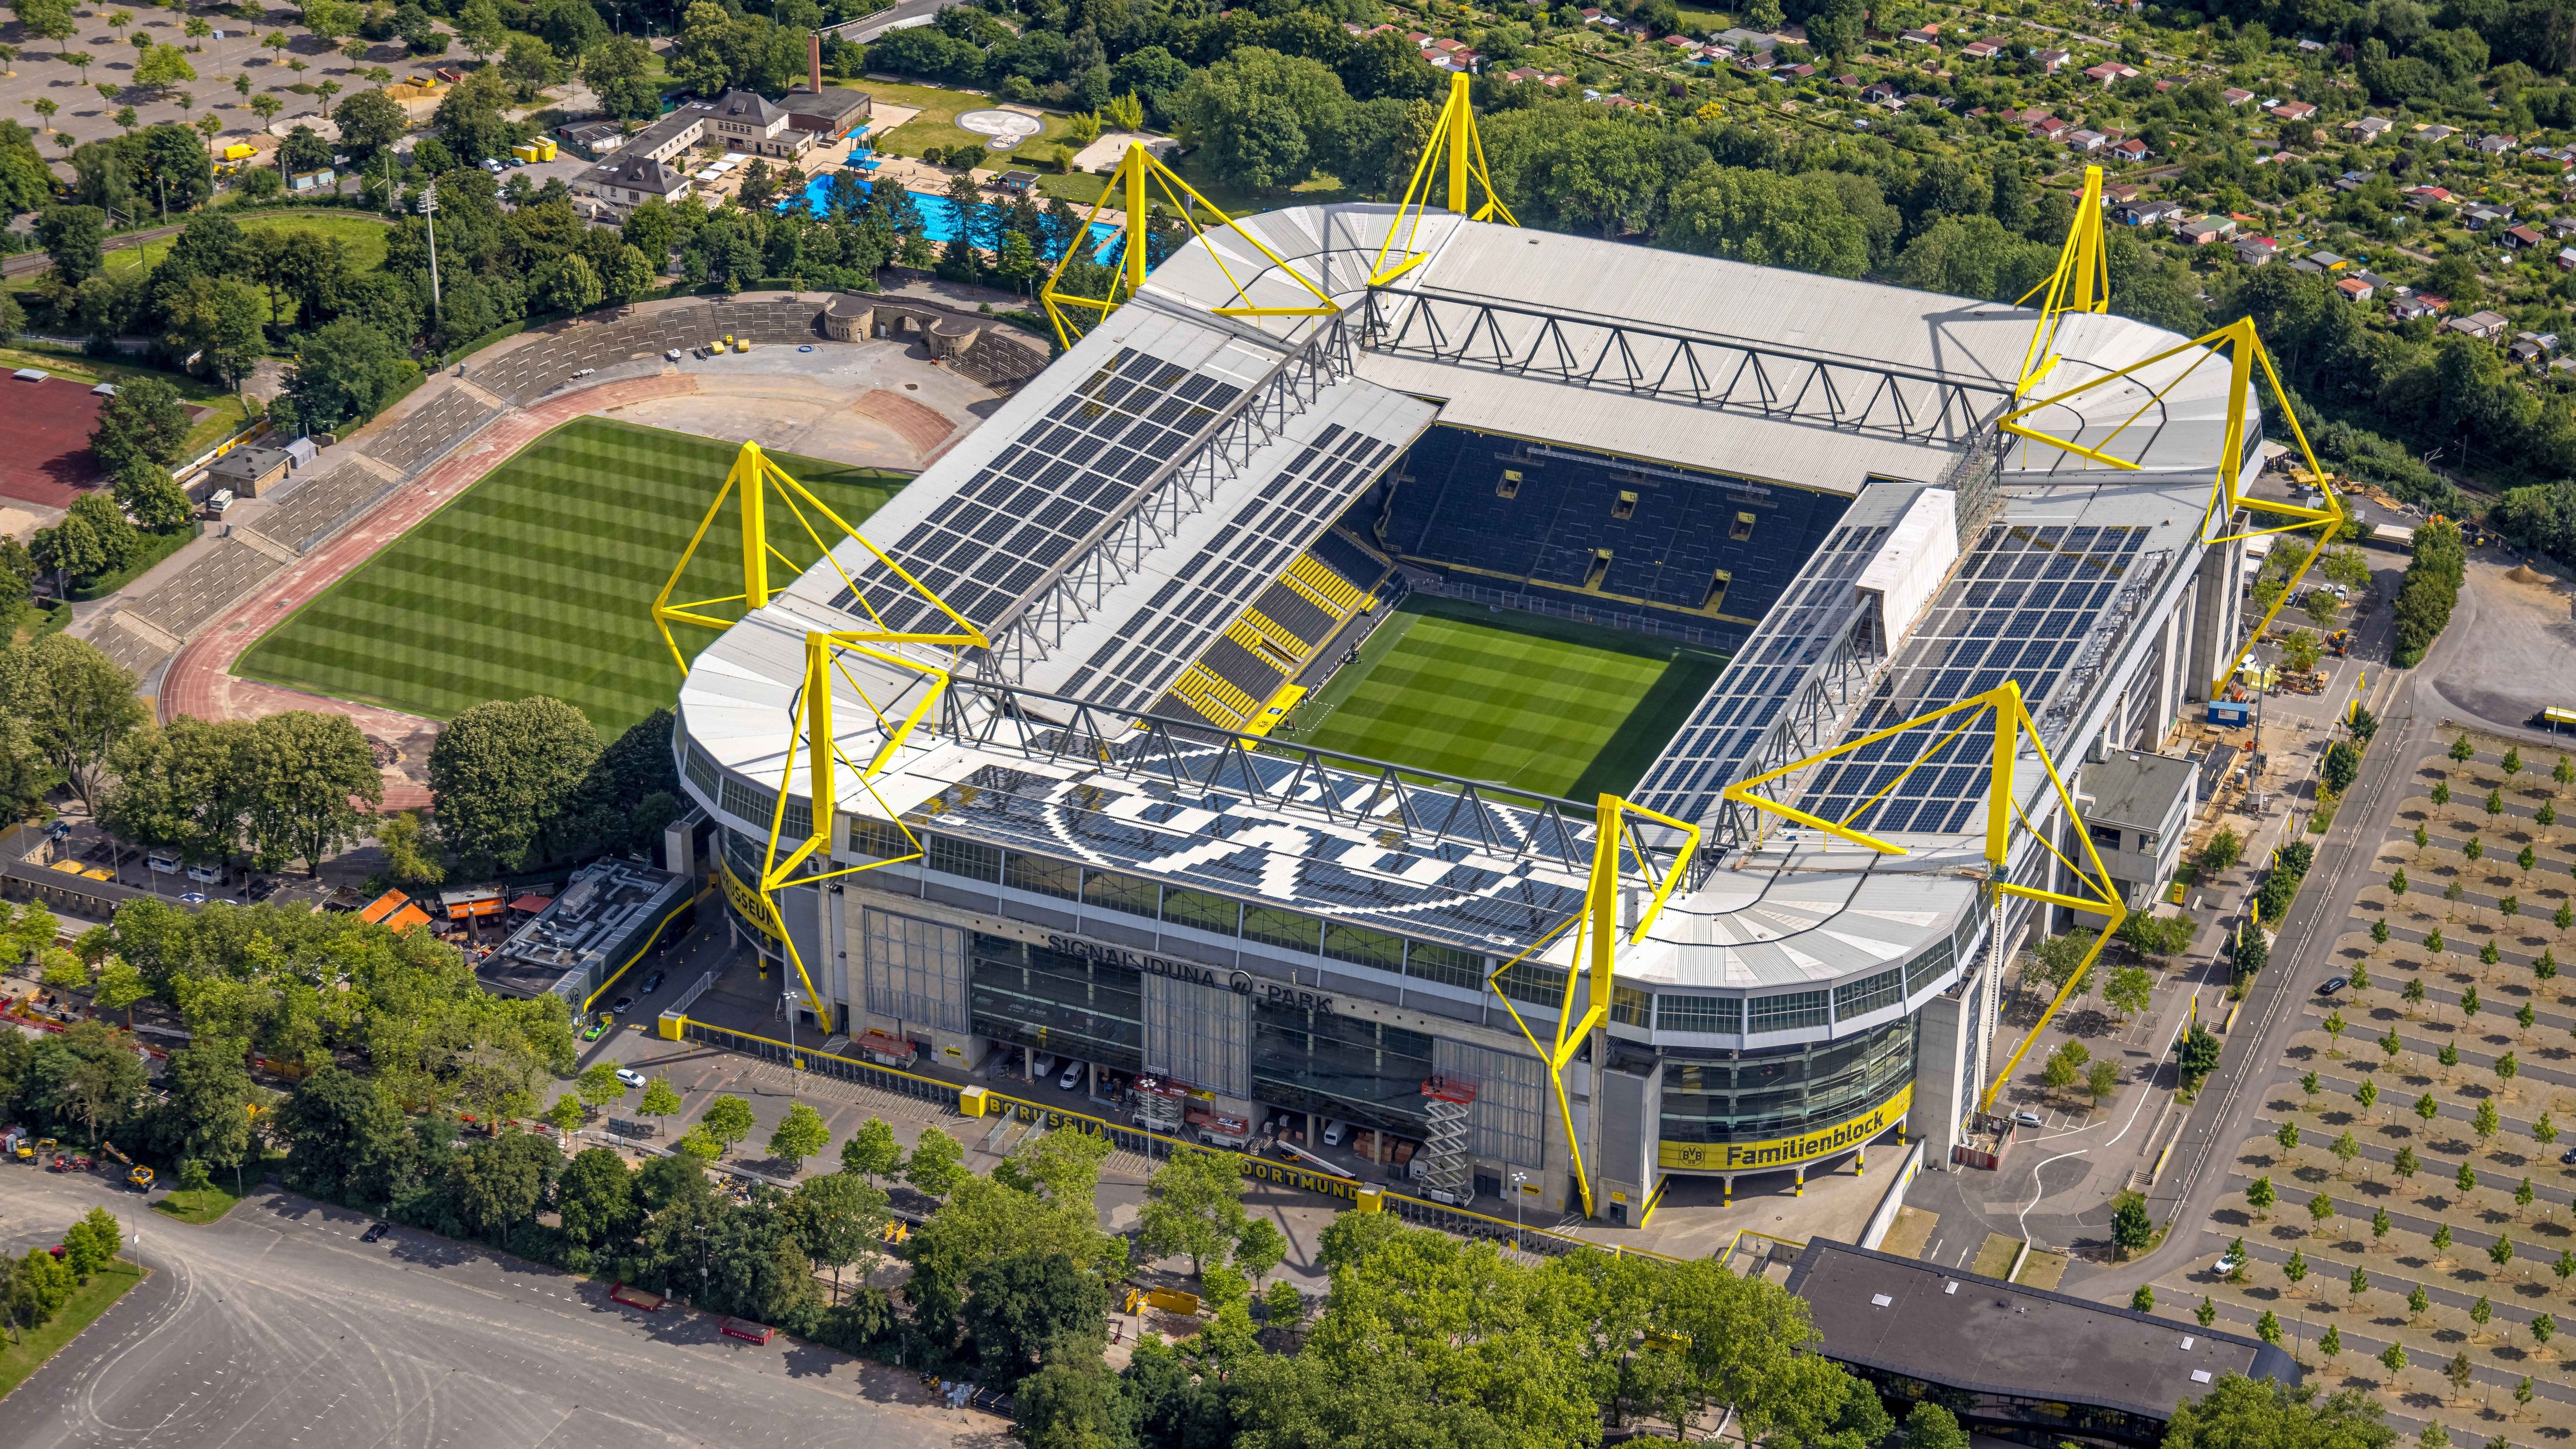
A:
{"x":1440,"y":505}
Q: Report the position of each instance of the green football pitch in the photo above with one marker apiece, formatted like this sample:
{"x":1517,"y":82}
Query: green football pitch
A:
{"x":540,"y":579}
{"x":1542,"y":704}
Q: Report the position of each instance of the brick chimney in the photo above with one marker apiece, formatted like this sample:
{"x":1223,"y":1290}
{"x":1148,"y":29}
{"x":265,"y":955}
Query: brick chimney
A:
{"x":814,"y":61}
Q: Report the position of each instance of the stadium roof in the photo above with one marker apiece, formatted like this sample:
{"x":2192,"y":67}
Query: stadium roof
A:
{"x":1097,"y":502}
{"x":1556,"y":294}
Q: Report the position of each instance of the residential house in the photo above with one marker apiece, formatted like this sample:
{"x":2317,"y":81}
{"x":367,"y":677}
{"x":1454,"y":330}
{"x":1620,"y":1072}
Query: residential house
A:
{"x":2497,"y":145}
{"x":2049,"y":128}
{"x":2407,"y":309}
{"x":2085,"y":142}
{"x":2254,"y":251}
{"x":2483,"y":217}
{"x":2437,"y":132}
{"x":2235,"y":96}
{"x":627,"y":180}
{"x":1929,"y":35}
{"x":2525,"y":351}
{"x":2304,"y":264}
{"x":2329,"y":261}
{"x":2110,"y":72}
{"x":1982,"y":49}
{"x":2521,"y":238}
{"x":2486,"y":325}
{"x":2567,"y":259}
{"x":2051,"y":60}
{"x":2148,"y":213}
{"x":2356,"y":289}
{"x":2205,"y":230}
{"x":2122,"y":194}
{"x":2420,"y":197}
{"x":1522,"y":73}
{"x":2293,"y":111}
{"x":2131,"y":149}
{"x":2352,"y":181}
{"x":1877,"y":93}
{"x":2367,"y":129}
{"x":2562,"y":227}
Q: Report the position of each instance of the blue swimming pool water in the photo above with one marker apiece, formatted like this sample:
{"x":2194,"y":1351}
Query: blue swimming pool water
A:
{"x":939,"y":220}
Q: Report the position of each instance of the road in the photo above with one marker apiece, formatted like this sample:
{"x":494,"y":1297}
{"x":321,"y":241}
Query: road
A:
{"x":894,"y":17}
{"x":277,"y":1326}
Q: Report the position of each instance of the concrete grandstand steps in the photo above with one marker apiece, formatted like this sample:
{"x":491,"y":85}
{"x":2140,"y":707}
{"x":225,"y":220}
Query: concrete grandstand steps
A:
{"x":182,"y":605}
{"x":310,"y":513}
{"x":428,"y":432}
{"x":135,"y":646}
{"x":262,"y":542}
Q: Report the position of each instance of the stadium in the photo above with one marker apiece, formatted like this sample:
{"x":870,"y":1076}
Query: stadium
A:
{"x":1025,"y":767}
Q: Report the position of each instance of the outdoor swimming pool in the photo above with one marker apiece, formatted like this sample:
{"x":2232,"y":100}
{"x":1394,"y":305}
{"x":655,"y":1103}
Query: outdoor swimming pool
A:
{"x":939,"y":220}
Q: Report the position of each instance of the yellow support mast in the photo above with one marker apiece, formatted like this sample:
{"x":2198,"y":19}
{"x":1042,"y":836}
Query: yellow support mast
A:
{"x":1595,"y":928}
{"x":2243,"y":348}
{"x":2081,"y":283}
{"x":1135,"y":184}
{"x":1457,"y":154}
{"x":752,"y":480}
{"x":2011,"y":724}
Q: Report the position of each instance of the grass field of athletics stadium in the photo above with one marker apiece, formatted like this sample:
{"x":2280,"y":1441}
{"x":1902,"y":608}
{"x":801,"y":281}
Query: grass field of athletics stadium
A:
{"x":1493,"y":694}
{"x":540,"y":579}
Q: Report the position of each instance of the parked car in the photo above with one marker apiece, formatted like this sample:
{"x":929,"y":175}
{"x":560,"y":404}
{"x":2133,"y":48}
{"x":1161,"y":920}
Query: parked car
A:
{"x":1333,"y":1135}
{"x":651,"y":984}
{"x":1072,"y":1077}
{"x":2227,"y":1265}
{"x":2029,"y":1119}
{"x":375,"y":1232}
{"x":628,"y":1076}
{"x":621,"y":1006}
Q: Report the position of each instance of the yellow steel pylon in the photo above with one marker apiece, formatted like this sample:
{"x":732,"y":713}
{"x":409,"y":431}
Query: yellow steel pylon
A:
{"x":751,"y":479}
{"x":2012,"y":724}
{"x":1460,"y":155}
{"x":2244,"y":351}
{"x":1128,"y":185}
{"x":2081,"y":283}
{"x":1596,"y":929}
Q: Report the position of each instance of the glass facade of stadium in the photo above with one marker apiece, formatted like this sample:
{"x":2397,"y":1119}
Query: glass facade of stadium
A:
{"x":991,"y":958}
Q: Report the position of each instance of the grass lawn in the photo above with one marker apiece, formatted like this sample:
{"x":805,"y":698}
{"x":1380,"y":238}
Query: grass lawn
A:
{"x":88,"y":1301}
{"x":936,"y":126}
{"x":226,"y":413}
{"x":1082,"y":189}
{"x":540,"y":580}
{"x":363,"y":234}
{"x":198,"y":1205}
{"x":1542,"y":704}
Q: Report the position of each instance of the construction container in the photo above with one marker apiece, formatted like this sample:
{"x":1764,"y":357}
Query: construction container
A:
{"x":545,"y":148}
{"x":525,"y":151}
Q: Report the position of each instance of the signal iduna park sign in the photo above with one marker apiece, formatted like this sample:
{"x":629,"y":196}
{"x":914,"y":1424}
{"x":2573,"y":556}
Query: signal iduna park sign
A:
{"x":1784,"y":1151}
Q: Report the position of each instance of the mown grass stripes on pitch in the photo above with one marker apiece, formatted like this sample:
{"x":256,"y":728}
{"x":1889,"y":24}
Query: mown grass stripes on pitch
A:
{"x":1542,"y":704}
{"x":540,"y":579}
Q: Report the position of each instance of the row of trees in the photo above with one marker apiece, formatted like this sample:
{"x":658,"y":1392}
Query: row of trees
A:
{"x":2430,"y":590}
{"x":36,"y":1287}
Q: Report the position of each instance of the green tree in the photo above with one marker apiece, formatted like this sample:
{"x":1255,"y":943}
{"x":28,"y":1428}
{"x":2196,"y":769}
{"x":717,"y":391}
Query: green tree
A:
{"x":872,"y":1150}
{"x":310,"y":771}
{"x":1767,"y":218}
{"x":801,"y":1134}
{"x":728,"y":1119}
{"x":595,"y":1199}
{"x":149,"y":497}
{"x":835,"y":1219}
{"x":1019,"y":1306}
{"x":505,"y":777}
{"x":370,"y":121}
{"x":1264,"y":117}
{"x":1193,"y":1206}
{"x":144,"y":422}
{"x":2131,"y":1228}
{"x":660,"y":1099}
{"x":77,"y":706}
{"x":936,"y":1166}
{"x":71,"y":237}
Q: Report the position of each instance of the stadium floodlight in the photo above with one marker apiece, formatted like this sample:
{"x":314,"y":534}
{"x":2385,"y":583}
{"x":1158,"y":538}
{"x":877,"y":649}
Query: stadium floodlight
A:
{"x":1460,"y":155}
{"x":2012,"y":725}
{"x":1129,"y":185}
{"x":1596,"y":930}
{"x":2243,"y":347}
{"x":2080,"y":283}
{"x":752,"y":480}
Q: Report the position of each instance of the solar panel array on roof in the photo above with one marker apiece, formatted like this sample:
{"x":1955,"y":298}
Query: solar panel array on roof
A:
{"x":1054,"y":491}
{"x":1710,"y":749}
{"x":1205,"y":594}
{"x":2018,"y":609}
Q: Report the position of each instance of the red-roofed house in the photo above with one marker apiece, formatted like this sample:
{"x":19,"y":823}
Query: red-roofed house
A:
{"x":2293,"y":110}
{"x":1982,"y":49}
{"x":2109,"y":72}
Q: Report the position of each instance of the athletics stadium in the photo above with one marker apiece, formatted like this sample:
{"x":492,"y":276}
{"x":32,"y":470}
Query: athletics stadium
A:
{"x":1002,"y":778}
